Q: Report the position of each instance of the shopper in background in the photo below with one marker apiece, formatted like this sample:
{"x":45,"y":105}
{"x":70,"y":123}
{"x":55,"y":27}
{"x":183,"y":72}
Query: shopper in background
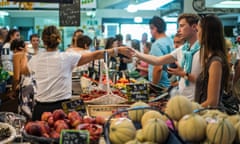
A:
{"x":131,"y":66}
{"x":178,"y":41}
{"x":163,"y":45}
{"x":53,"y":71}
{"x":128,"y":41}
{"x":142,"y":66}
{"x":123,"y":59}
{"x":236,"y":78}
{"x":113,"y":62}
{"x":35,"y":42}
{"x":74,"y":37}
{"x":23,"y":82}
{"x":144,"y":40}
{"x":83,"y":43}
{"x":187,"y":56}
{"x":214,"y":77}
{"x":7,"y":53}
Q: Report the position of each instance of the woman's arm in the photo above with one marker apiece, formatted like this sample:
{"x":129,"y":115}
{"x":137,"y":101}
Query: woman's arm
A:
{"x":214,"y":84}
{"x":99,"y":54}
{"x":166,"y":59}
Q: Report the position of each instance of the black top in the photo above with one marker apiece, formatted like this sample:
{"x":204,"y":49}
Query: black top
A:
{"x":202,"y":81}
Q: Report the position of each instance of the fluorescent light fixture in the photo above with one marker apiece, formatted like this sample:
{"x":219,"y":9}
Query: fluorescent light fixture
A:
{"x":223,"y":3}
{"x":152,"y":4}
{"x":148,"y":5}
{"x":3,"y":13}
{"x":138,"y":19}
{"x":132,"y":8}
{"x":170,"y":19}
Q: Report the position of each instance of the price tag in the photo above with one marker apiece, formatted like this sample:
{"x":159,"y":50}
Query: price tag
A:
{"x":74,"y":137}
{"x":74,"y":105}
{"x":139,"y":91}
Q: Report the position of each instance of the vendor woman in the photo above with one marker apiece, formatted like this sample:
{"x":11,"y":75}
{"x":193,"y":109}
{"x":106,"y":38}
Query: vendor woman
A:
{"x":53,"y":71}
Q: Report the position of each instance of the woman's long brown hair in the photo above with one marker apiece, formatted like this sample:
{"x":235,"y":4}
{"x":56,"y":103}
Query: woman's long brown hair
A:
{"x":212,"y":41}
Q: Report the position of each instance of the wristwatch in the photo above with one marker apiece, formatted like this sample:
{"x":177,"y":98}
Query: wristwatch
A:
{"x":186,"y":76}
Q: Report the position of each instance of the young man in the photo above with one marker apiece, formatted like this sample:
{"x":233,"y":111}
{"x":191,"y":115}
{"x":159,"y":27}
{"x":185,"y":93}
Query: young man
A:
{"x":162,"y":45}
{"x":34,"y":40}
{"x":187,"y":56}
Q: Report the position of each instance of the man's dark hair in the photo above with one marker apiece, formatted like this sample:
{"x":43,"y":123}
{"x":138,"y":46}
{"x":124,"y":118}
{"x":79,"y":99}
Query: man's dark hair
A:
{"x":159,"y":23}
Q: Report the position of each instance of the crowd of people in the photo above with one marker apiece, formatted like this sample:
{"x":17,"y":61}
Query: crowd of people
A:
{"x":194,"y":61}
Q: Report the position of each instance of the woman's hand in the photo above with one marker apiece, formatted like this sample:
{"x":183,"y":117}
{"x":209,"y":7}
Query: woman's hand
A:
{"x":126,"y":51}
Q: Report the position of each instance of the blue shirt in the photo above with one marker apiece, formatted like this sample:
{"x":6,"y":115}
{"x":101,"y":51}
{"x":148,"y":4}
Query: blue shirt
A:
{"x":161,"y":47}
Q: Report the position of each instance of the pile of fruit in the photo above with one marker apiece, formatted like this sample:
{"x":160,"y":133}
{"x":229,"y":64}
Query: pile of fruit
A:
{"x":98,"y":93}
{"x":122,"y":83}
{"x":52,"y":124}
{"x":204,"y":127}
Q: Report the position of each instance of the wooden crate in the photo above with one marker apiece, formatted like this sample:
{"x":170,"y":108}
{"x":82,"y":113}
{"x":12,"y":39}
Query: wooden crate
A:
{"x":104,"y":110}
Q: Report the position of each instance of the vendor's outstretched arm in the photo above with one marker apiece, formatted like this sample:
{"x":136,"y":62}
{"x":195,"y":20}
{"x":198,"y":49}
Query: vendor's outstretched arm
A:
{"x":166,"y":59}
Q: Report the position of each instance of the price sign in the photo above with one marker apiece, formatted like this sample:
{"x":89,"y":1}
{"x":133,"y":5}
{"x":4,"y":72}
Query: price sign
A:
{"x":137,"y":92}
{"x":75,"y":105}
{"x":74,"y":137}
{"x":69,"y":14}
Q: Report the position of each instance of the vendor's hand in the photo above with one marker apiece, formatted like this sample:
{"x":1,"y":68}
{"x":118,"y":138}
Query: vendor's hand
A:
{"x":176,"y":71}
{"x":126,"y":51}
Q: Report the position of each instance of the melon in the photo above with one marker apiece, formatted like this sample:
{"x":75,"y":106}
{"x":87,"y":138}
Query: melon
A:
{"x":121,"y":131}
{"x":192,"y":128}
{"x":214,"y":114}
{"x":237,"y":127}
{"x":136,"y":115}
{"x":196,"y":106}
{"x":220,"y":131}
{"x":234,"y":119}
{"x":178,"y":106}
{"x":140,"y":136}
{"x":149,"y":115}
{"x":155,"y":130}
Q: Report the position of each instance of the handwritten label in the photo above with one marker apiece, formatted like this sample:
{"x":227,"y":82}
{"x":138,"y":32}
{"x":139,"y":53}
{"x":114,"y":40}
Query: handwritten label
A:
{"x":137,"y":92}
{"x":69,"y":14}
{"x":75,"y":105}
{"x":74,"y":137}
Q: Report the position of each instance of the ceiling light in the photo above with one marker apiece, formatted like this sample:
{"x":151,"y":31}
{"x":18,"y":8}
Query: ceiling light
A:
{"x":138,"y":19}
{"x":152,"y":4}
{"x":132,"y":8}
{"x":223,"y":3}
{"x":3,"y":13}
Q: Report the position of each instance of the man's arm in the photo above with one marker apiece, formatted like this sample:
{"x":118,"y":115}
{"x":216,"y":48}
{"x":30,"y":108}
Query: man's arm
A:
{"x":156,"y":74}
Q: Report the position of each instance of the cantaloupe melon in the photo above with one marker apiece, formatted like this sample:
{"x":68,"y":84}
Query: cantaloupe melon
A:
{"x":237,"y":138}
{"x":149,"y":115}
{"x":155,"y":130}
{"x":136,"y":115}
{"x":192,"y":128}
{"x":234,"y":119}
{"x":140,"y":136}
{"x":178,"y":106}
{"x":121,"y":131}
{"x":220,"y":131}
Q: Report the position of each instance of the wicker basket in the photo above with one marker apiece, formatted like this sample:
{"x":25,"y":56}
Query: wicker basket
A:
{"x":109,"y":98}
{"x":104,"y":110}
{"x":173,"y":137}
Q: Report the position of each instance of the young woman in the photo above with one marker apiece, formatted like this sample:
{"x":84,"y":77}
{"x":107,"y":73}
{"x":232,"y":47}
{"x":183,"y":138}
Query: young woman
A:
{"x":53,"y":71}
{"x":213,"y":79}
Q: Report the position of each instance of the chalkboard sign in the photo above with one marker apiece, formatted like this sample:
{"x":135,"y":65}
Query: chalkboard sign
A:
{"x":69,"y":14}
{"x":74,"y":137}
{"x":138,"y":91}
{"x":74,"y":105}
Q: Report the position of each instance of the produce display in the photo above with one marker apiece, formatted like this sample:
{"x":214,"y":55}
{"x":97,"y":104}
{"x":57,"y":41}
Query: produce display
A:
{"x":52,"y":124}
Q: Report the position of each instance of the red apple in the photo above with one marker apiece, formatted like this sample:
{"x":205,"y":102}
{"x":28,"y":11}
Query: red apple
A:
{"x":54,"y":134}
{"x":34,"y":129}
{"x":59,"y":114}
{"x":75,"y":118}
{"x":88,"y":119}
{"x":100,"y":120}
{"x":45,"y":116}
{"x":50,"y":121}
{"x":44,"y":126}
